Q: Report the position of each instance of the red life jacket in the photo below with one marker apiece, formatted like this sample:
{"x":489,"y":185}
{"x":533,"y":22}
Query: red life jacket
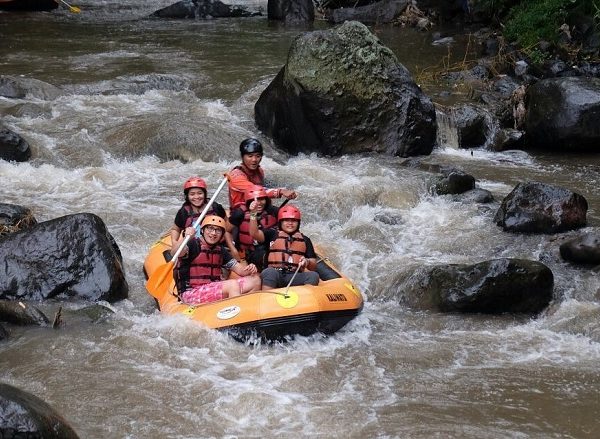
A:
{"x":236,"y":196}
{"x":206,"y":267}
{"x":258,"y":177}
{"x":193,"y":216}
{"x":286,"y":250}
{"x":265,"y":221}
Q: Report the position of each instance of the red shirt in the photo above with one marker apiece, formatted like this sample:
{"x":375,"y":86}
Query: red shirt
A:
{"x":242,"y":179}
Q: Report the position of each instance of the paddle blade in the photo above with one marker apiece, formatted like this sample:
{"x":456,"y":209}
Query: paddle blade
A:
{"x":159,"y":282}
{"x":73,"y":9}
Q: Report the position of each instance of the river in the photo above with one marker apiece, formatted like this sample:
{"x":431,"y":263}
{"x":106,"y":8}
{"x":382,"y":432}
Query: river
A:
{"x":137,"y":86}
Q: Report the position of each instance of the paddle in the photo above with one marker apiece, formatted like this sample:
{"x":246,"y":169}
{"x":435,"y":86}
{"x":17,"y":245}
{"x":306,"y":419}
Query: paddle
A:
{"x":159,"y":281}
{"x":73,"y":9}
{"x":285,"y":294}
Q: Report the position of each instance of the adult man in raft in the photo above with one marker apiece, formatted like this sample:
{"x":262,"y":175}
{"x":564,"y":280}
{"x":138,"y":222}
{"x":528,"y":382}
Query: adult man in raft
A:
{"x":249,"y":173}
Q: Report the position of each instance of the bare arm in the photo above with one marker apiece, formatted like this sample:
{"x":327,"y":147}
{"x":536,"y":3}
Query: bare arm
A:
{"x":255,"y":232}
{"x":230,"y":245}
{"x":177,"y":242}
{"x":175,"y":232}
{"x":308,"y":263}
{"x":281,"y":192}
{"x":244,"y":270}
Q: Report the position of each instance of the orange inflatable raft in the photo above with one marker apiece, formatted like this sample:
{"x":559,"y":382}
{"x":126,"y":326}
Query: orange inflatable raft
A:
{"x":266,"y":315}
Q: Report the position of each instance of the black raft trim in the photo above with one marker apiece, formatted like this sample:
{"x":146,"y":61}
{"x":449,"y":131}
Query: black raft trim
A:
{"x":280,"y":328}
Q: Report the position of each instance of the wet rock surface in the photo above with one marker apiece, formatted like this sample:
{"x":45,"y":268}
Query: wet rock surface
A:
{"x":493,"y":287}
{"x":23,"y":415}
{"x":72,"y":256}
{"x":535,"y":207}
{"x":341,"y":91}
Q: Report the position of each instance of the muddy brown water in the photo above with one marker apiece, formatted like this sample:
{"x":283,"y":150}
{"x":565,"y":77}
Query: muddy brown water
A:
{"x":393,"y":372}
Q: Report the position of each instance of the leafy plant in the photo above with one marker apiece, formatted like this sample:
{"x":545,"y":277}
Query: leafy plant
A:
{"x":535,"y":20}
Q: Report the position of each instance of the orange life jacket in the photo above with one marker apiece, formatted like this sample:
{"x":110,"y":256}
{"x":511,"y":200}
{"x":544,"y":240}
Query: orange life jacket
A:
{"x":286,"y":250}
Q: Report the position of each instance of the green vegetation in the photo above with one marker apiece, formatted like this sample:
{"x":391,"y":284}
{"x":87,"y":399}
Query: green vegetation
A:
{"x":536,"y":20}
{"x":531,"y":21}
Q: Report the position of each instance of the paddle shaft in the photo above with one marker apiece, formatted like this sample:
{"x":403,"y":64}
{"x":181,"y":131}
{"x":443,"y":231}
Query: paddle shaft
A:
{"x":200,"y":218}
{"x":291,"y":280}
{"x":159,"y":281}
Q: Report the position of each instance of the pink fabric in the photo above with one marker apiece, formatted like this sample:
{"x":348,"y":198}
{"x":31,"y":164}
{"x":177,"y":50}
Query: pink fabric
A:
{"x":206,"y":293}
{"x":203,"y":293}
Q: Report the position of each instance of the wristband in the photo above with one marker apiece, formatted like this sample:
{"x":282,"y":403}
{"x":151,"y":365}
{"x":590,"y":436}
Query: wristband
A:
{"x":253,"y":216}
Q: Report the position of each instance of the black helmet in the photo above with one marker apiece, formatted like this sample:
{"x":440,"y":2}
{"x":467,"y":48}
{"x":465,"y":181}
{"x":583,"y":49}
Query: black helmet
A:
{"x":250,"y":146}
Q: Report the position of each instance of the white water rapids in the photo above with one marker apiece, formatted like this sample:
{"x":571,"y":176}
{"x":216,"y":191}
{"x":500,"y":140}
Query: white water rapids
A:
{"x":392,"y":372}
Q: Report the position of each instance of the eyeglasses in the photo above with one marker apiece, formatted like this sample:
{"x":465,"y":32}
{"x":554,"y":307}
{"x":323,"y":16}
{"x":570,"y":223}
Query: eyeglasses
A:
{"x":213,"y":229}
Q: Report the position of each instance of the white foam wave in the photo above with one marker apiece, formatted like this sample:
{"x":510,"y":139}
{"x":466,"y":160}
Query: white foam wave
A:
{"x":509,"y":158}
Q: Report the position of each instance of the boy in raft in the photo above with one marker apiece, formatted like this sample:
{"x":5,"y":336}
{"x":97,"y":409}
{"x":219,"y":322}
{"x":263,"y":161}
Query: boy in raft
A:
{"x":198,"y":271}
{"x":266,"y":216}
{"x":195,"y":199}
{"x":288,"y":250}
{"x":249,"y":173}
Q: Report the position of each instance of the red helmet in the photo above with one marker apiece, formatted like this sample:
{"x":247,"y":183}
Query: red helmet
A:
{"x":194,"y":182}
{"x":255,"y":192}
{"x":288,"y":212}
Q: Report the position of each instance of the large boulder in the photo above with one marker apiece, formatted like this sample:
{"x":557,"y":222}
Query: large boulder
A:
{"x":493,"y":287}
{"x":23,"y":415}
{"x":342,"y":91}
{"x":534,"y":207}
{"x":562,"y":114}
{"x":13,"y":147}
{"x":71,"y":256}
{"x":202,"y":9}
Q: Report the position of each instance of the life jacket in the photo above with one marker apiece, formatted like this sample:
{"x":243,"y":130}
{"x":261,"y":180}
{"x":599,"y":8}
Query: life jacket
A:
{"x":204,"y":268}
{"x":236,"y":196}
{"x":286,"y":250}
{"x":265,"y":221}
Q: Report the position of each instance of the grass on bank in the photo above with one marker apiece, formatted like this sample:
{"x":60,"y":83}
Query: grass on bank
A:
{"x":531,"y":21}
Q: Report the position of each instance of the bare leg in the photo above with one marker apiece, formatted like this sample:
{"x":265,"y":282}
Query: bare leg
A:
{"x":230,"y":288}
{"x":251,"y":284}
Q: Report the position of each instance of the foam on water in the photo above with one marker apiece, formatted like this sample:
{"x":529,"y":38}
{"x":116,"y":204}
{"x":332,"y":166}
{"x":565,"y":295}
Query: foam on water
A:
{"x":241,"y":389}
{"x":511,"y":158}
{"x":391,"y":372}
